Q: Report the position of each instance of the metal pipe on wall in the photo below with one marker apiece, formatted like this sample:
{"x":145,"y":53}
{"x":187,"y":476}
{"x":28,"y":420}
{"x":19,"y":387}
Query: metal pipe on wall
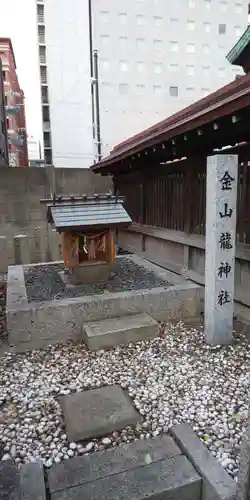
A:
{"x":91,"y":70}
{"x":97,"y":106}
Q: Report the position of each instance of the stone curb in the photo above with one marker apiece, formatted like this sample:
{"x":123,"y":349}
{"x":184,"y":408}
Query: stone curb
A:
{"x":217,"y":484}
{"x":32,"y":483}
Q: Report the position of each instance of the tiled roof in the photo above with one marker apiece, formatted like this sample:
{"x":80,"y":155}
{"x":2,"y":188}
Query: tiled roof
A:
{"x":87,"y":212}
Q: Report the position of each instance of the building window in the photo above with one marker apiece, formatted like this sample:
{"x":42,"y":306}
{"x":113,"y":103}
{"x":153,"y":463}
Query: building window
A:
{"x":222,"y":29}
{"x":140,"y":42}
{"x":207,"y":4}
{"x":223,"y":5}
{"x":173,"y":21}
{"x":123,"y":42}
{"x":157,"y":68}
{"x":158,"y":20}
{"x":123,"y":65}
{"x":173,"y":67}
{"x":5,"y":76}
{"x":107,"y":87}
{"x":190,"y":48}
{"x":123,"y":88}
{"x":123,"y":17}
{"x":173,"y":91}
{"x":238,"y":31}
{"x":207,"y":27}
{"x":190,"y":25}
{"x":190,"y":89}
{"x":141,"y":20}
{"x":190,"y":70}
{"x":221,"y":72}
{"x":222,"y":50}
{"x":157,"y":44}
{"x":191,"y":4}
{"x":174,"y":46}
{"x":205,"y":49}
{"x":157,"y":89}
{"x":141,"y":89}
{"x":105,"y":63}
{"x":105,"y":40}
{"x":205,"y":70}
{"x":140,"y":65}
{"x":238,"y":8}
{"x":104,"y":14}
{"x":205,"y":92}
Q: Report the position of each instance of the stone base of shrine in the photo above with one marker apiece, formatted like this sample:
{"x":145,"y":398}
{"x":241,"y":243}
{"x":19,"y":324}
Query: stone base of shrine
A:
{"x":92,"y":273}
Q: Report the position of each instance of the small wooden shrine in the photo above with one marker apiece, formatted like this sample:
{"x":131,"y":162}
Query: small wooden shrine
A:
{"x":88,"y":225}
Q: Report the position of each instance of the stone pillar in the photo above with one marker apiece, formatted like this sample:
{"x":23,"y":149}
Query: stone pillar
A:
{"x":21,"y":249}
{"x":222,"y":174}
{"x":3,"y":255}
{"x":243,"y":485}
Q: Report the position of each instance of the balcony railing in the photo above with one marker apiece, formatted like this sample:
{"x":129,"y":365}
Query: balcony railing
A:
{"x":41,"y":38}
{"x":46,"y":126}
{"x":42,"y":59}
{"x":40,"y":18}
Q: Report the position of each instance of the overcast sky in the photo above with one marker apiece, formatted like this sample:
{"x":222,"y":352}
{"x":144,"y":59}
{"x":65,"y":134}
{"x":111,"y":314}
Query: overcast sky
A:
{"x":18,"y":21}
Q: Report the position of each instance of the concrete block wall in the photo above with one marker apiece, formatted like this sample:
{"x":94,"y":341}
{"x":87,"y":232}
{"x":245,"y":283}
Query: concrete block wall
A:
{"x":22,"y":214}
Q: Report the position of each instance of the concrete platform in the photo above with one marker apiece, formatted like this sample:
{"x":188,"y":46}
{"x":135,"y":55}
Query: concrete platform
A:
{"x":152,"y":469}
{"x":116,"y":331}
{"x":97,"y":412}
{"x":33,"y":325}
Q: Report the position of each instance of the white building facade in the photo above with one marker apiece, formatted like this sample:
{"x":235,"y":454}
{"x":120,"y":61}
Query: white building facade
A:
{"x":155,"y":57}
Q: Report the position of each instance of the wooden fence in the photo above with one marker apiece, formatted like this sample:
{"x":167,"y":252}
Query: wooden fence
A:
{"x":174,"y":197}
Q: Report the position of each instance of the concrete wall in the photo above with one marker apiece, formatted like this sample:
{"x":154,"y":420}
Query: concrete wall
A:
{"x":22,"y":214}
{"x":184,"y":254}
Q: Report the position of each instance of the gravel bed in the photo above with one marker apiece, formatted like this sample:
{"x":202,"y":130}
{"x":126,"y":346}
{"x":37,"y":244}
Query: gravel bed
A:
{"x":44,"y":283}
{"x":172,"y":379}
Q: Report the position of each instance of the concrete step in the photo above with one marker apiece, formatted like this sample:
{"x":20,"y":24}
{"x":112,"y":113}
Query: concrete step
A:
{"x":149,"y":469}
{"x":108,"y":333}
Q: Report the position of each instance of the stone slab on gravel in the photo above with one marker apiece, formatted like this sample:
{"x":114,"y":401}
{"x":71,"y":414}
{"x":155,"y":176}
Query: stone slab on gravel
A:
{"x":97,"y":412}
{"x":168,"y":479}
{"x":109,"y":333}
{"x":9,"y":481}
{"x":112,"y":461}
{"x":217,"y":484}
{"x":26,"y":483}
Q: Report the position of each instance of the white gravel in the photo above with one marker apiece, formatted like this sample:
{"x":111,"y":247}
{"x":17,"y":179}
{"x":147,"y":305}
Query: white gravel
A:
{"x":173,"y":379}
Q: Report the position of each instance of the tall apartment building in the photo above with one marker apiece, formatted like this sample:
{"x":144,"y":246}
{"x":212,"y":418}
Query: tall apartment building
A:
{"x":4,"y":155}
{"x":14,"y":107}
{"x":155,"y":57}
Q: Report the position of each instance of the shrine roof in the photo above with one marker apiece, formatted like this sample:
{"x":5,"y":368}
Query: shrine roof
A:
{"x":211,"y":123}
{"x":86,"y":212}
{"x":235,"y":54}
